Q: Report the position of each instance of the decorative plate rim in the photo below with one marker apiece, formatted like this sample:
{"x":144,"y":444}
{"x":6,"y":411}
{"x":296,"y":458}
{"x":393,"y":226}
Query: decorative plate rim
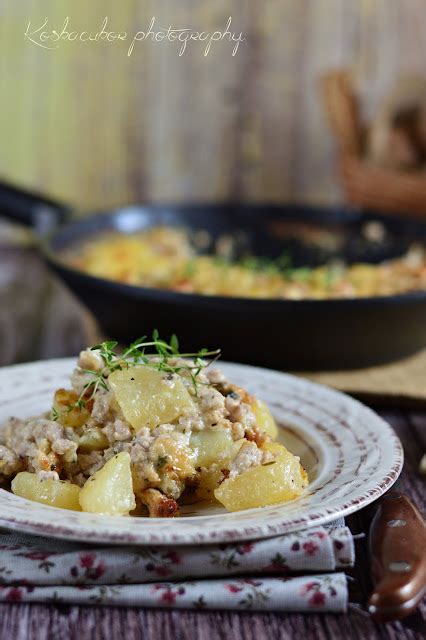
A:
{"x":188,"y":530}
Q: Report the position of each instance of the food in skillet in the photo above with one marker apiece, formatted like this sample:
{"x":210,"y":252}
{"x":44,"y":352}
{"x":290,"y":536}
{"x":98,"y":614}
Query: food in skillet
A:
{"x":139,"y":432}
{"x":163,"y":257}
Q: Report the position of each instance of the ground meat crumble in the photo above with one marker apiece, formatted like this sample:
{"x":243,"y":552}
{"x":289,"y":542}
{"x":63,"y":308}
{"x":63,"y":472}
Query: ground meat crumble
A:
{"x":74,"y":453}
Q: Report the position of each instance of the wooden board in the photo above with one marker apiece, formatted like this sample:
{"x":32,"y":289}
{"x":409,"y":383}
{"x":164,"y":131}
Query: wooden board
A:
{"x":398,"y":384}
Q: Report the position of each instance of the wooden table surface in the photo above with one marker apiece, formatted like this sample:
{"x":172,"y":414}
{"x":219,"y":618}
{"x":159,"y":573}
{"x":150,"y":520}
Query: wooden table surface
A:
{"x":40,"y":622}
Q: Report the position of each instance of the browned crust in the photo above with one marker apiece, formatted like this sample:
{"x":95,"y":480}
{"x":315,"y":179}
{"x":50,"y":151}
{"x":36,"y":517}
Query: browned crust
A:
{"x":159,"y":505}
{"x":254,"y":435}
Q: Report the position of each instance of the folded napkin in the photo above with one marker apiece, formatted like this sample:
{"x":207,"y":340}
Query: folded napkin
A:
{"x":35,"y":569}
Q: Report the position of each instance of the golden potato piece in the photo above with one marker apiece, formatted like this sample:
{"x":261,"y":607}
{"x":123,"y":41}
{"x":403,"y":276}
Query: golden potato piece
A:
{"x":55,"y":493}
{"x":173,"y":456}
{"x":62,"y":402}
{"x":264,"y":485}
{"x":211,"y":446}
{"x":264,"y":418}
{"x":147,"y":399}
{"x":208,"y":482}
{"x":110,"y":490}
{"x":92,"y":440}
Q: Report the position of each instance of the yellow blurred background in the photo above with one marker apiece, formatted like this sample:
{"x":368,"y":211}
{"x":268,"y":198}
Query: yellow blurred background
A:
{"x":94,"y":127}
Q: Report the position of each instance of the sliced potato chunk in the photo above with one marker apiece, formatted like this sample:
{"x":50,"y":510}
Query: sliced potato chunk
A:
{"x":211,"y":446}
{"x":264,"y":485}
{"x":56,"y":493}
{"x":62,"y":403}
{"x":174,"y":455}
{"x":264,"y":418}
{"x":110,"y":490}
{"x":208,"y":483}
{"x":147,"y":399}
{"x":92,"y":440}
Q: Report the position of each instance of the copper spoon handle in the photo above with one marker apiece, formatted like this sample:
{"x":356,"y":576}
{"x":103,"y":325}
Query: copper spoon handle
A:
{"x":398,"y":556}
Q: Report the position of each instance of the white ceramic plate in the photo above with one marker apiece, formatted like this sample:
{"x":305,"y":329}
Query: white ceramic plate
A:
{"x":352,"y":456}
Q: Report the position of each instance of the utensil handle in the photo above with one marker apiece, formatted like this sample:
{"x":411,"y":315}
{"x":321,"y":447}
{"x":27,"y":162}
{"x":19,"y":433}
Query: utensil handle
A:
{"x":398,"y":556}
{"x":342,"y":110}
{"x":31,"y":209}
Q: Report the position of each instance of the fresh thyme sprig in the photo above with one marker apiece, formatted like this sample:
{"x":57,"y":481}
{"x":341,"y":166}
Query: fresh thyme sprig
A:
{"x":155,"y":353}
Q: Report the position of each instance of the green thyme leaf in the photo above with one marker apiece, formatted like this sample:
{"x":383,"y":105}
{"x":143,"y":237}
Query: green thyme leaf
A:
{"x":155,"y":353}
{"x":174,"y":343}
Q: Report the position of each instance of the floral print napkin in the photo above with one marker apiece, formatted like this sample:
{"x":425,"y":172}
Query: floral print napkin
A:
{"x":251,"y":575}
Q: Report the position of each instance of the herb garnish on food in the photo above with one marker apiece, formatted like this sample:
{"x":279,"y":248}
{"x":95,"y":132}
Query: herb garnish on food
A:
{"x":155,"y":353}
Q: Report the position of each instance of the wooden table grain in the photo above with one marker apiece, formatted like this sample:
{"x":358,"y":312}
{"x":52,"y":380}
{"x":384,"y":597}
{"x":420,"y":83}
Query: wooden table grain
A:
{"x":40,"y":622}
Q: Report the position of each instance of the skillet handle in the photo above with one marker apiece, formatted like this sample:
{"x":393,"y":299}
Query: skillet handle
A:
{"x":397,"y":551}
{"x":31,"y":209}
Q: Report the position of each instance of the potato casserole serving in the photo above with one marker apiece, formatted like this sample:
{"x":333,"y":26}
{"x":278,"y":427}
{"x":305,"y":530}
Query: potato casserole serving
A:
{"x":164,"y":258}
{"x":142,"y":431}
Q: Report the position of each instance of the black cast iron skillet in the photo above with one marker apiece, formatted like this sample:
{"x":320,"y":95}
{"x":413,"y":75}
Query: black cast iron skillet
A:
{"x":285,"y":334}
